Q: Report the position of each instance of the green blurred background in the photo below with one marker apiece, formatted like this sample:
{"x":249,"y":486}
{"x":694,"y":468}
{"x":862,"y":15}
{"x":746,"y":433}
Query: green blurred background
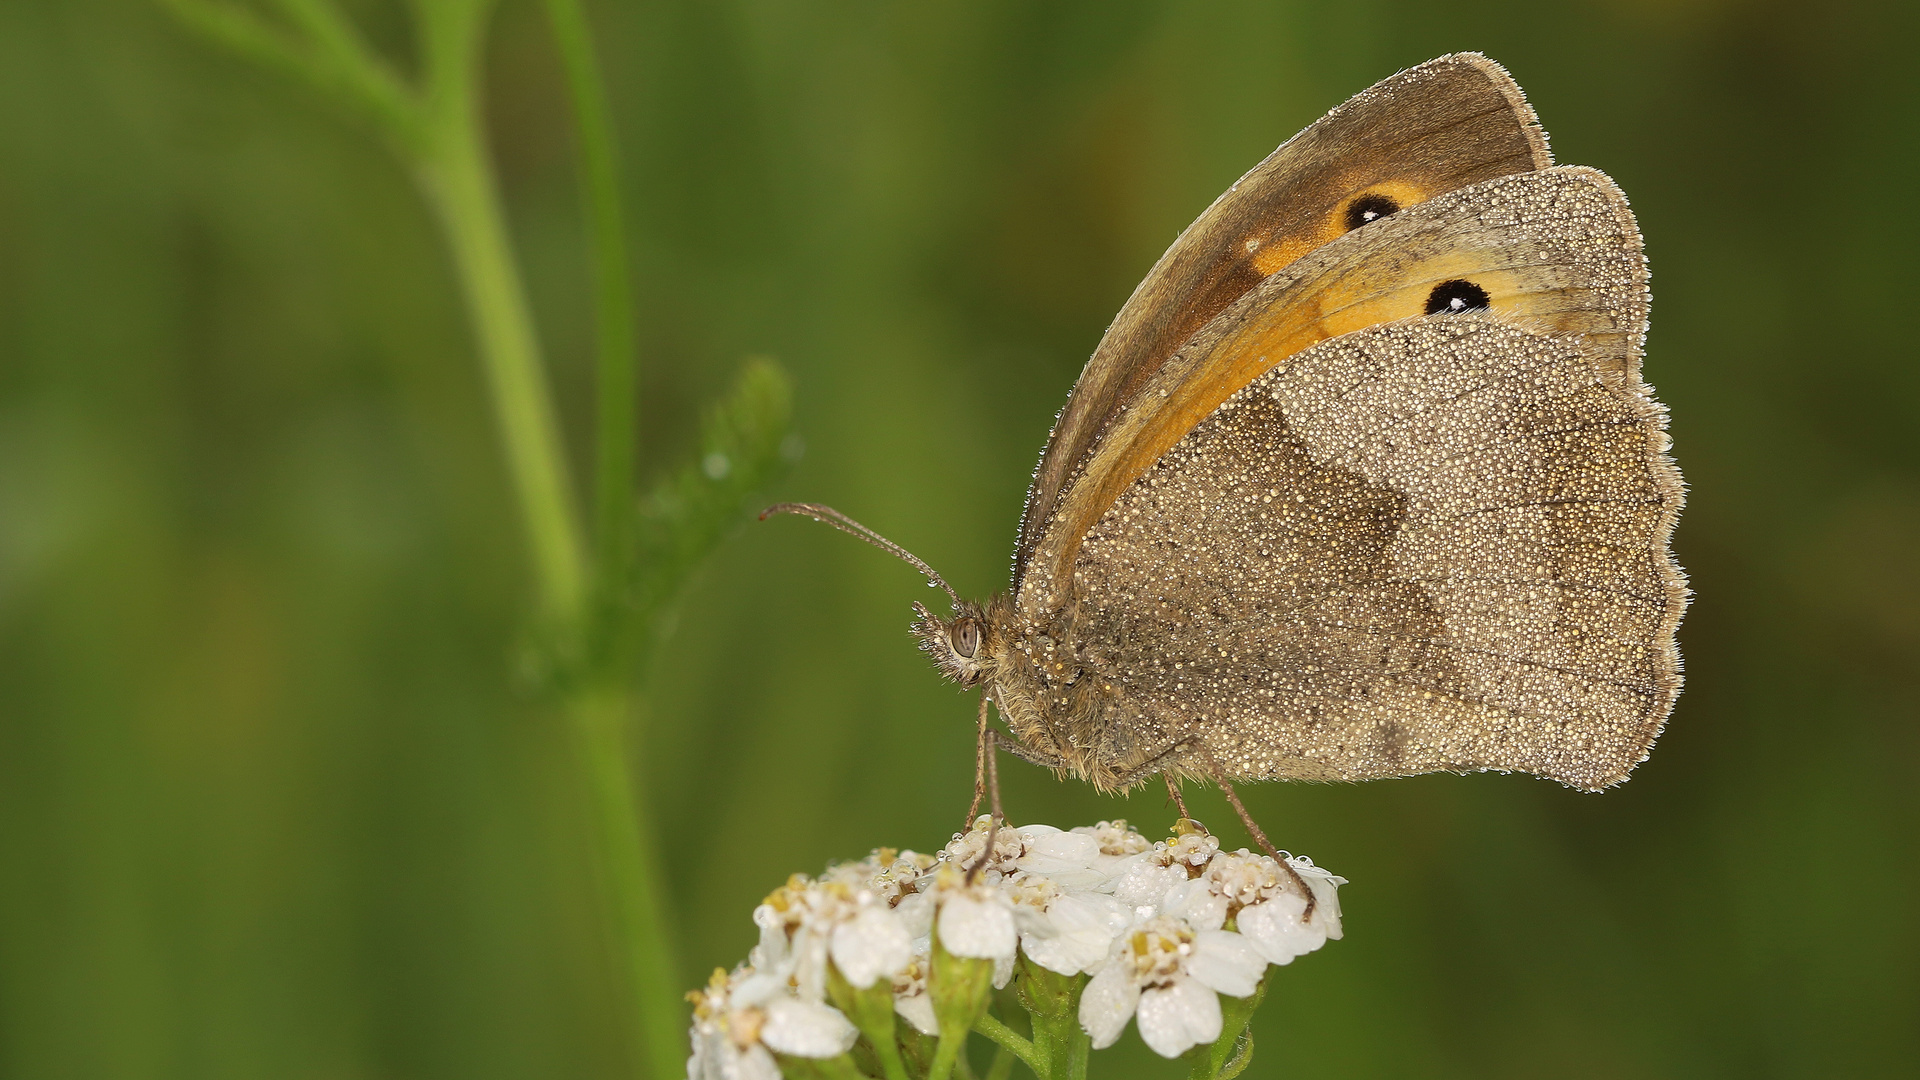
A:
{"x":271,"y":804}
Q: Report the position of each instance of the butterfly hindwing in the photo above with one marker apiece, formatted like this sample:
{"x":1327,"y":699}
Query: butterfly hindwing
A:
{"x":1439,"y":544}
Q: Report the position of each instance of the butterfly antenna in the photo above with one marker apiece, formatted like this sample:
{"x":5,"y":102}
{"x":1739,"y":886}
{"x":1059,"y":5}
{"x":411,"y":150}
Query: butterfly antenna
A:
{"x":828,"y":515}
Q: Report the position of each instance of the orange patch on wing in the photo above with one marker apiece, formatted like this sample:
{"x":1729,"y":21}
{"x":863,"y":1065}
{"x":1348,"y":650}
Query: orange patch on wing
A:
{"x":1342,"y":307}
{"x":1270,"y":255}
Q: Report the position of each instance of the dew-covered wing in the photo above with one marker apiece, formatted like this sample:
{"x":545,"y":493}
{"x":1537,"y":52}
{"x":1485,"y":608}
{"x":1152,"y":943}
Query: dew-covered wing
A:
{"x":1447,"y":123}
{"x":1437,"y":544}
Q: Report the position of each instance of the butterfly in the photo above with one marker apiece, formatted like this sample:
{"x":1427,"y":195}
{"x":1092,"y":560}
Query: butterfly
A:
{"x":1362,"y":481}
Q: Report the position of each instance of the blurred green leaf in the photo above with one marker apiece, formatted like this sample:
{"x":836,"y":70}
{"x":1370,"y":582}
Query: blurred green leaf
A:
{"x":744,"y":447}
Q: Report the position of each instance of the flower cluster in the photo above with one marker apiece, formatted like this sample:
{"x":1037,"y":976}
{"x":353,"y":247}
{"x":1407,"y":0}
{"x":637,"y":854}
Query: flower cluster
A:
{"x":882,"y":967}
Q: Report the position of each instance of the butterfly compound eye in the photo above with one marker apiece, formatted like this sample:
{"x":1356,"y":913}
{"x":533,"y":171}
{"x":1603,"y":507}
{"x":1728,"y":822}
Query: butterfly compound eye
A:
{"x":1368,"y":208}
{"x":1453,"y":297}
{"x":965,"y":637}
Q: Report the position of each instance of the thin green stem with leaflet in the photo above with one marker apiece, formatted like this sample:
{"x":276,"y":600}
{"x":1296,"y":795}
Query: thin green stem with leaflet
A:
{"x":617,"y":400}
{"x":437,"y":130}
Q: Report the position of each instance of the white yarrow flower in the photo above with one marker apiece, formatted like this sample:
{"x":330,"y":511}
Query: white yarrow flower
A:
{"x":1267,"y":906}
{"x":741,"y":1020}
{"x":806,"y":923}
{"x":910,"y":997}
{"x":975,"y":920}
{"x":1168,"y":973}
{"x":1072,"y":859}
{"x":1163,"y":929}
{"x":1064,"y":930}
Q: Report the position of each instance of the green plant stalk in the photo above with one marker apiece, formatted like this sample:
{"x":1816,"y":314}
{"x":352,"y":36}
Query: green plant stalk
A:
{"x":629,"y":855}
{"x":1062,"y":1045}
{"x":616,"y":426}
{"x":437,"y":131}
{"x":1079,"y":1050}
{"x":1012,"y":1042}
{"x":1228,"y":1056}
{"x":457,"y":177}
{"x":871,"y":1010}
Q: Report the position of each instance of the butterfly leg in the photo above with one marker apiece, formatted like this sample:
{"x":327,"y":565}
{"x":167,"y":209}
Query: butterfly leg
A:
{"x":1035,"y":757}
{"x":980,"y":752}
{"x":1173,"y":792}
{"x":1266,"y":845}
{"x":993,"y":794}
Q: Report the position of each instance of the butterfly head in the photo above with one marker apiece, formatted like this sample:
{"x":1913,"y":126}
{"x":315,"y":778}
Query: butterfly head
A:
{"x":961,"y":647}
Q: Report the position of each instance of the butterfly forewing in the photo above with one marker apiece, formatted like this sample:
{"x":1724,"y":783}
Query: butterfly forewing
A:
{"x":1445,"y":124}
{"x":1556,"y":251}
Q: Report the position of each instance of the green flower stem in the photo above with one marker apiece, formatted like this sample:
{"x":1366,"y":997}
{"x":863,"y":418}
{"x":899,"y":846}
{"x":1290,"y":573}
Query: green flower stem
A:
{"x":1002,"y":1066}
{"x":945,"y":1053}
{"x":628,"y":856}
{"x":457,"y":177}
{"x":871,"y":1010}
{"x":1242,"y":1057}
{"x":1079,"y":1050}
{"x":616,"y":426}
{"x":343,"y":60}
{"x":437,"y":130}
{"x":1012,"y":1042}
{"x":833,"y":1068}
{"x":1053,"y":1001}
{"x":1230,"y":1054}
{"x":336,"y":67}
{"x":962,"y":989}
{"x":1062,"y":1047}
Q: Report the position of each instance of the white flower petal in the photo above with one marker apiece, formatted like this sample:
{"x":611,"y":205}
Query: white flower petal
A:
{"x":1226,"y":962}
{"x":1057,"y":954}
{"x":753,"y":1063}
{"x":1084,"y":926}
{"x":755,"y":989}
{"x":1275,"y":930}
{"x":771,"y":953}
{"x":1066,"y":858}
{"x":980,"y":926}
{"x":1146,"y":883}
{"x":870,"y":945}
{"x":1326,"y":898}
{"x":1031,"y":921}
{"x":918,"y":1011}
{"x":1002,"y":971}
{"x":1197,"y":903}
{"x":1179,"y":1017}
{"x":701,"y":1065}
{"x":809,"y":962}
{"x":1107,"y":1004}
{"x":807,"y":1029}
{"x":915,"y":912}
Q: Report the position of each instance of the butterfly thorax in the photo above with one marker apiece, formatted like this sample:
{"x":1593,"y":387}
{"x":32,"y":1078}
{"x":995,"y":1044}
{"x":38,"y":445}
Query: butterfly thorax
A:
{"x":1048,"y":681}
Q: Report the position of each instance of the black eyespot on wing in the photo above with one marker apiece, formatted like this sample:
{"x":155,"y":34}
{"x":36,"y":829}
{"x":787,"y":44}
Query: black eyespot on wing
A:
{"x":1453,"y":297}
{"x":1368,"y":208}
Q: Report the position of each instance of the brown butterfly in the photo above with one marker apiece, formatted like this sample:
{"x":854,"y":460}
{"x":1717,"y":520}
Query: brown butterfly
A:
{"x":1361,"y":482}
